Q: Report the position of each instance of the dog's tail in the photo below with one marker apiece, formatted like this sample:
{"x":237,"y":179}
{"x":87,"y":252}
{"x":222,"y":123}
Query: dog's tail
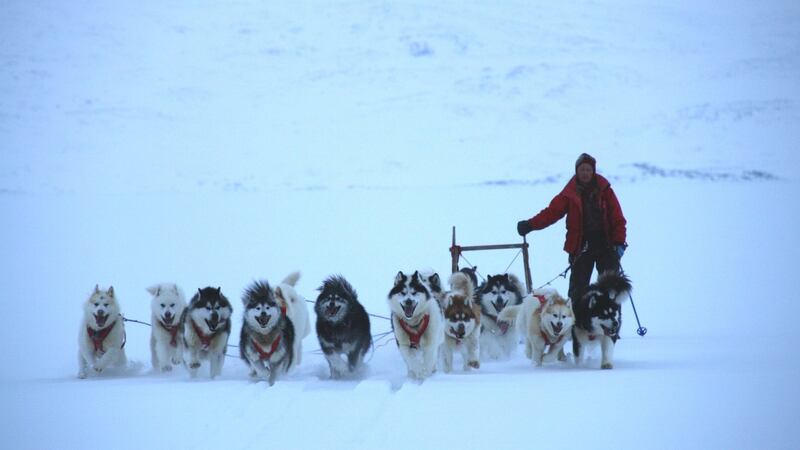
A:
{"x":460,"y":282}
{"x":616,"y":285}
{"x":291,"y":279}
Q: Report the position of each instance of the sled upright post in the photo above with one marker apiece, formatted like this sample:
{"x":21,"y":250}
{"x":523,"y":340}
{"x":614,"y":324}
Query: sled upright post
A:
{"x":456,"y":250}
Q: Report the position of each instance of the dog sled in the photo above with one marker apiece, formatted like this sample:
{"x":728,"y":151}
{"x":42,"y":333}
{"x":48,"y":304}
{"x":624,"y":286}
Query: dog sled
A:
{"x":456,"y":251}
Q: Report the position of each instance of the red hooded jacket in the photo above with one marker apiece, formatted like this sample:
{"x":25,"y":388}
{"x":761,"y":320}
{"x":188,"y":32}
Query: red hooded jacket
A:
{"x":568,"y":202}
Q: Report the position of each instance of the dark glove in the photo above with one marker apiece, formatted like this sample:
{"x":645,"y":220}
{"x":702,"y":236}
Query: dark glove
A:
{"x":620,"y":249}
{"x":523,"y":227}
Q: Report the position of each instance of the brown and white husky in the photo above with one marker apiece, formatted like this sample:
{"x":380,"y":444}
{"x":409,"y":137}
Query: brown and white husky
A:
{"x":544,"y":320}
{"x":462,"y":323}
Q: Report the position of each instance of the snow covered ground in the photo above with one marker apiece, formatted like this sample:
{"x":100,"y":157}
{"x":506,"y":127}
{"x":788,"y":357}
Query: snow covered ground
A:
{"x":222,"y":142}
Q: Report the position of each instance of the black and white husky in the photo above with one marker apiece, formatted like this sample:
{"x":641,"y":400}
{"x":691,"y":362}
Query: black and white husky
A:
{"x":101,"y":341}
{"x":166,"y":333}
{"x":206,"y":329}
{"x":598,"y":317}
{"x":498,"y":339}
{"x":267,"y":338}
{"x":343,"y":327}
{"x":417,"y":322}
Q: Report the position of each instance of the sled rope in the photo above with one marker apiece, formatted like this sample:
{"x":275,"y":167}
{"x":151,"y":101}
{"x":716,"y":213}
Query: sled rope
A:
{"x":125,"y":319}
{"x":461,"y":256}
{"x":512,"y":261}
{"x":569,"y":267}
{"x":472,"y":266}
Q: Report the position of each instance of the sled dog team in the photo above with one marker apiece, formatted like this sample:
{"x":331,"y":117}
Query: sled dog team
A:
{"x":430,"y":324}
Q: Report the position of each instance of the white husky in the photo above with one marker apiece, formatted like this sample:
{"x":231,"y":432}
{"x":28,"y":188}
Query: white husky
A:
{"x":101,"y":340}
{"x":418,"y":324}
{"x":544,"y":320}
{"x":297,"y":311}
{"x":166,"y":337}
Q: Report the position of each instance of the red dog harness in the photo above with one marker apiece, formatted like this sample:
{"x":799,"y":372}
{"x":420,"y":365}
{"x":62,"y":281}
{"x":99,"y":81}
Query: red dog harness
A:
{"x":547,"y":338}
{"x":98,"y":336}
{"x":173,"y":333}
{"x":205,"y":340}
{"x":415,"y":335}
{"x":265,"y":355}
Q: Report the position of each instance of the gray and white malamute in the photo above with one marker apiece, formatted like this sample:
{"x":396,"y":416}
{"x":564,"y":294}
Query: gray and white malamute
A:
{"x":462,"y":323}
{"x":598,"y":317}
{"x":498,"y":340}
{"x":343,"y":327}
{"x":267,"y":338}
{"x":166,"y":336}
{"x":417,"y":323}
{"x":101,"y":340}
{"x":206,"y":329}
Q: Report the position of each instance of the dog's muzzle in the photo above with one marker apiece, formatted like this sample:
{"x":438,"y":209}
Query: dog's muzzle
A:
{"x":263,"y":319}
{"x":332,"y":309}
{"x":167,"y":318}
{"x":499,"y":304}
{"x":458,"y":332}
{"x":101,"y":319}
{"x":408,"y":308}
{"x":609,"y":331}
{"x":213,"y":322}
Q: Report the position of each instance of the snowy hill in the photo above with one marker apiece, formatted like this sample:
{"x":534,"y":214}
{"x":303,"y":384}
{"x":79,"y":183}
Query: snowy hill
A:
{"x":222,"y":142}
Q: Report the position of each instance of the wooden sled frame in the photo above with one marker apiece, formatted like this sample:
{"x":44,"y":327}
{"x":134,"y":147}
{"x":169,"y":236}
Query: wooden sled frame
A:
{"x":456,"y":250}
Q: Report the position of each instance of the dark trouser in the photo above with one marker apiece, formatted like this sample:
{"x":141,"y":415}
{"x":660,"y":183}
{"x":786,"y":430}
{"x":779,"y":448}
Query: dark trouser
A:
{"x":604,"y":256}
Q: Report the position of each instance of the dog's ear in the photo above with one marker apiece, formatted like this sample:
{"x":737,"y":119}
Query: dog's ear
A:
{"x":219,"y":290}
{"x":175,"y":289}
{"x":96,"y":288}
{"x":111,"y":291}
{"x":399,"y":278}
{"x":569,"y":303}
{"x":154,"y":290}
{"x":591,"y":301}
{"x":435,"y":281}
{"x":279,"y":294}
{"x":199,"y":293}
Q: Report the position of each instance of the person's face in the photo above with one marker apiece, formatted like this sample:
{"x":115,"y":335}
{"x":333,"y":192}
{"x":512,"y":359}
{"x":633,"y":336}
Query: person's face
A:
{"x":585,"y":173}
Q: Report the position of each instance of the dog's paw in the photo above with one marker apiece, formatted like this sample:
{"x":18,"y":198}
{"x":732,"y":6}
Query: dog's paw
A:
{"x":607,"y":366}
{"x":474,"y":364}
{"x":98,"y":369}
{"x":82,"y":375}
{"x":194,"y":365}
{"x":166,"y":368}
{"x":177,"y":361}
